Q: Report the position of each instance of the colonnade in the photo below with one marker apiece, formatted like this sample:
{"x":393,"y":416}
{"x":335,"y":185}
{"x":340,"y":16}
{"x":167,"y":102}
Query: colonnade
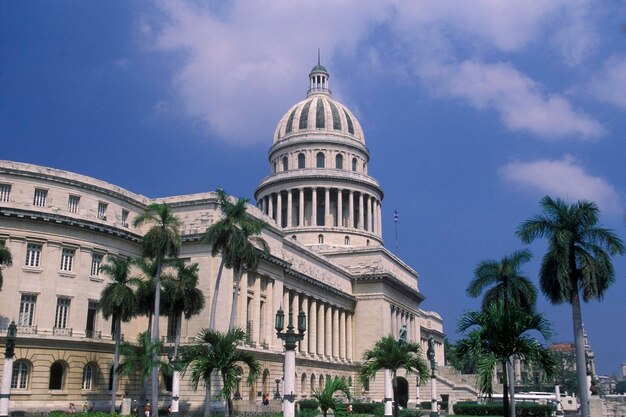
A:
{"x":329,"y":331}
{"x":401,"y":317}
{"x":324,"y":206}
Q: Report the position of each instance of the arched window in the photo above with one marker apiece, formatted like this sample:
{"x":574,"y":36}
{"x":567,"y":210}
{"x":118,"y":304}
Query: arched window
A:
{"x":88,"y":376}
{"x":354,"y":164}
{"x":20,"y":375}
{"x":321,"y":383}
{"x":274,"y":168}
{"x":285,"y":163}
{"x":57,"y":376}
{"x":167,"y":381}
{"x":301,"y":162}
{"x":320,"y":239}
{"x":346,"y":240}
{"x":303,"y":392}
{"x":111,"y":378}
{"x":366,"y":385}
{"x":320,"y":160}
{"x":339,"y":162}
{"x":364,"y":168}
{"x":367,"y":242}
{"x":313,"y":381}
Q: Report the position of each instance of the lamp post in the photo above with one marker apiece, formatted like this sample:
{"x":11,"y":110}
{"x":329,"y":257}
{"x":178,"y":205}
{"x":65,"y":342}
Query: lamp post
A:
{"x":237,"y":395}
{"x":433,"y":379}
{"x":291,"y":339}
{"x":7,"y":373}
{"x":173,"y":358}
{"x":277,"y":393}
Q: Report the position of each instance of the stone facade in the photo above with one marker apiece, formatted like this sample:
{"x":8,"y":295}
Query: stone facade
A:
{"x":326,"y":258}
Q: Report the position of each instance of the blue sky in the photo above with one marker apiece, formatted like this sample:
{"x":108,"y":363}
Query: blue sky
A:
{"x":472,"y":112}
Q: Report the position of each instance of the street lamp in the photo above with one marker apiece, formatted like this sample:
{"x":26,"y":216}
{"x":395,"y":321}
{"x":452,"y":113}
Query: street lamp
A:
{"x":174,"y":361}
{"x":433,"y":379}
{"x":237,"y":395}
{"x":7,"y":373}
{"x":277,"y":393}
{"x":291,"y":339}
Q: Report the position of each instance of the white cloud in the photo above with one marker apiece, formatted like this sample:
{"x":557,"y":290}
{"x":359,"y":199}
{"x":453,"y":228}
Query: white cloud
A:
{"x":609,"y":84}
{"x":242,"y":63}
{"x":564,"y":178}
{"x":522,"y":103}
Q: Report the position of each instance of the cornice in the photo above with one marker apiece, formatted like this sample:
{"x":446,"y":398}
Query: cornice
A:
{"x":394,"y":282}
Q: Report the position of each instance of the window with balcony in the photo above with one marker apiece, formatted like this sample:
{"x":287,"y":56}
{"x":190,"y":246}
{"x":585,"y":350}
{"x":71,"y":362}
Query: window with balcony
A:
{"x":39,"y":200}
{"x":5,"y":193}
{"x":21,"y":371}
{"x":102,"y":211}
{"x":33,"y":255}
{"x":27,"y":310}
{"x":61,"y":318}
{"x":90,"y":325}
{"x":67,"y":259}
{"x":96,"y":261}
{"x":72,"y":203}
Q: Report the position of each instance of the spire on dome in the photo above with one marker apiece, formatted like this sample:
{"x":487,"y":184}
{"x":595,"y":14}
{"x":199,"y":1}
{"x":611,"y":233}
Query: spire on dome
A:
{"x":318,"y":78}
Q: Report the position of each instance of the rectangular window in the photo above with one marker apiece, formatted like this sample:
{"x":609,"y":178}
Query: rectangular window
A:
{"x":27,"y":310}
{"x":72,"y":203}
{"x":90,"y":326}
{"x":67,"y":259}
{"x":33,"y":255}
{"x":5,"y":193}
{"x":125,"y":218}
{"x":62,"y":313}
{"x":102,"y":211}
{"x":96,"y":260}
{"x":40,"y":197}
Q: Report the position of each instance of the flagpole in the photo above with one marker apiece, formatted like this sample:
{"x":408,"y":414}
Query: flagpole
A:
{"x":395,"y":218}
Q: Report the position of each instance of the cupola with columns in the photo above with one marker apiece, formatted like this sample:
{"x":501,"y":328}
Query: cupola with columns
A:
{"x":319,"y":191}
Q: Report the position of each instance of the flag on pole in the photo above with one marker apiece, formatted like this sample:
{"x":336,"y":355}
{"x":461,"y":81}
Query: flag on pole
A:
{"x":395,"y":216}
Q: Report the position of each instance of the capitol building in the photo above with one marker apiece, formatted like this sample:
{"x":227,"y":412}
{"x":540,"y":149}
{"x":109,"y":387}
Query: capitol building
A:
{"x":327,"y":257}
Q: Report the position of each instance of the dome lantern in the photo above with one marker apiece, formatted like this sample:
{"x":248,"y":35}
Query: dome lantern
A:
{"x":318,"y":78}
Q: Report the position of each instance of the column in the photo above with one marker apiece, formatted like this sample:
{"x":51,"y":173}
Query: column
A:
{"x":393,"y":320}
{"x":270,"y":211}
{"x":335,"y":332}
{"x":379,"y":231}
{"x":327,"y":207}
{"x":339,"y":207}
{"x":328,"y":350}
{"x":304,"y":343}
{"x":285,"y":305}
{"x":361,"y":217}
{"x":301,"y":208}
{"x":342,"y":334}
{"x":321,"y":327}
{"x":279,"y":209}
{"x":289,"y":208}
{"x":351,"y":208}
{"x":295,"y":306}
{"x":349,"y":337}
{"x":312,"y":326}
{"x":313,"y":206}
{"x":256,"y":316}
{"x":369,"y":213}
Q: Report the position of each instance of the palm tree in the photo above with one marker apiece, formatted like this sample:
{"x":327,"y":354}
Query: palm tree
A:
{"x":118,"y":300}
{"x":391,"y":356}
{"x":510,"y":286}
{"x":578,"y":260}
{"x":497,"y":333}
{"x":327,"y":400}
{"x":235,"y":237}
{"x":181,"y":297}
{"x":159,"y":243}
{"x":138,"y":359}
{"x":6,"y":259}
{"x":217,"y":351}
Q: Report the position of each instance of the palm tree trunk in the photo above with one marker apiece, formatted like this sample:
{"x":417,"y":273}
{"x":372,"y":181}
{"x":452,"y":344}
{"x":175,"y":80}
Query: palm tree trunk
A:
{"x":511,"y":374}
{"x":581,"y":363}
{"x":229,"y":405}
{"x":216,"y":292}
{"x":155,"y":339}
{"x":233,"y":312}
{"x":505,"y":390}
{"x":207,"y":399}
{"x":394,"y":384}
{"x":175,"y":372}
{"x":116,"y":362}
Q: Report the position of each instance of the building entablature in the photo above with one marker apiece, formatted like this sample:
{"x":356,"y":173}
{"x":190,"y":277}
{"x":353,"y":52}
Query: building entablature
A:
{"x":308,"y":177}
{"x":393,"y":282}
{"x":322,"y":140}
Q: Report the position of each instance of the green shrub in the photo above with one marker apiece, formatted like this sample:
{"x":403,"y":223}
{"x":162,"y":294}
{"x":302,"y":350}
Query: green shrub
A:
{"x":522,"y":410}
{"x":59,"y":413}
{"x":306,"y":413}
{"x":425,"y":405}
{"x":308,"y":405}
{"x":406,"y":412}
{"x":377,"y":409}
